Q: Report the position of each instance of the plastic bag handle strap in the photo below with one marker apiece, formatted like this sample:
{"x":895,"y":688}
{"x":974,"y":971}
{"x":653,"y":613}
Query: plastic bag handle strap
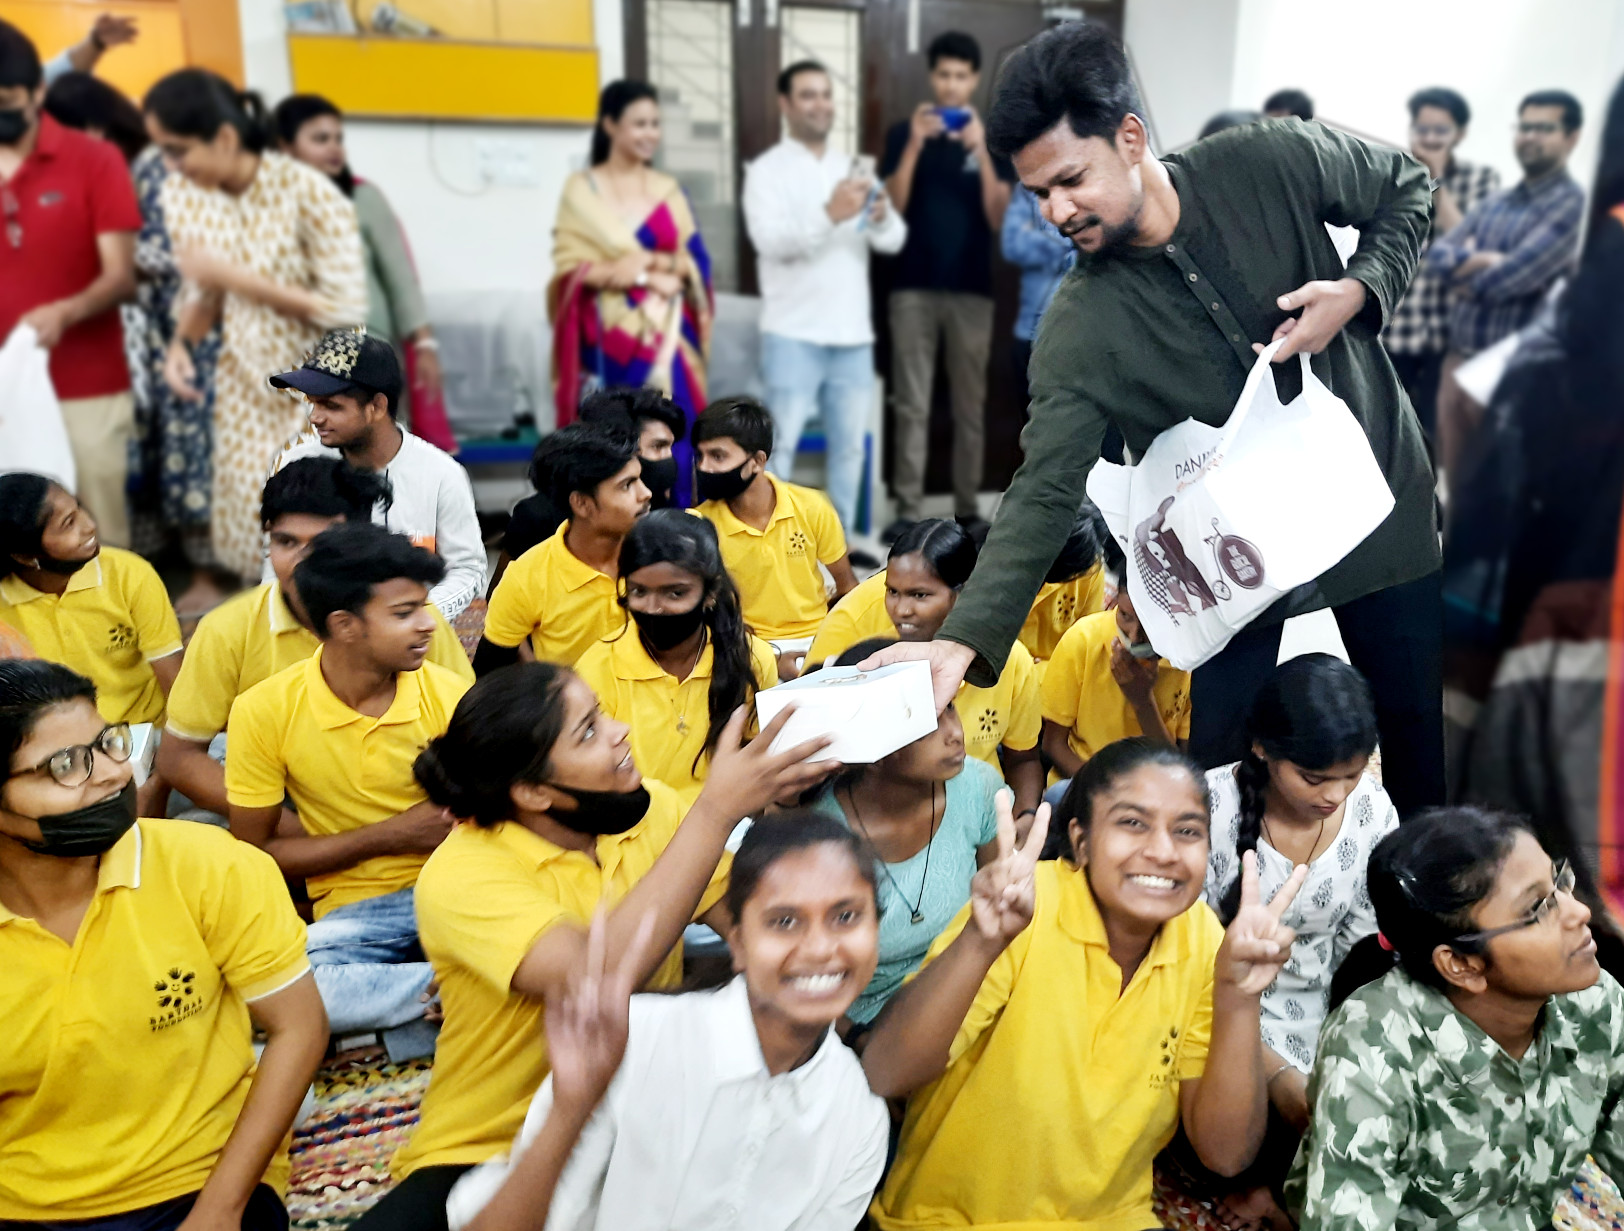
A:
{"x":1243,"y":407}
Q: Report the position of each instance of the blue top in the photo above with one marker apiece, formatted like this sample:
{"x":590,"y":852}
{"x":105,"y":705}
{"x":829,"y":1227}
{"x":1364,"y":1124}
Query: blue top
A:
{"x":968,"y":823}
{"x":1043,"y":254}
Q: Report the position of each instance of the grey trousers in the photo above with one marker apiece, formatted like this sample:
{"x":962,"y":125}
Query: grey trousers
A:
{"x":919,"y":320}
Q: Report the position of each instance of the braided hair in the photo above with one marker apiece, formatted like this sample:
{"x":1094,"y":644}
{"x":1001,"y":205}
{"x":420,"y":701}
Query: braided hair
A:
{"x":1314,"y":711}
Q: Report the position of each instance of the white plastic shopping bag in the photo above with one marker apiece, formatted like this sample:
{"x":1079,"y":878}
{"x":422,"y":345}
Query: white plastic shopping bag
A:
{"x":1217,"y":523}
{"x":32,"y":435}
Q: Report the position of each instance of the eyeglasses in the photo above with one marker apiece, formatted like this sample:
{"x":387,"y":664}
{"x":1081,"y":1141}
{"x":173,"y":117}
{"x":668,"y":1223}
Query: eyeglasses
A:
{"x":14,"y":216}
{"x":1562,"y":875}
{"x":1543,"y":129}
{"x":72,"y":766}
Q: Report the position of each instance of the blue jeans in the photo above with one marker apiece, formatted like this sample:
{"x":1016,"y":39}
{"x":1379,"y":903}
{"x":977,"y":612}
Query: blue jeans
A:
{"x":1056,"y":793}
{"x":369,"y":966}
{"x":836,"y":383}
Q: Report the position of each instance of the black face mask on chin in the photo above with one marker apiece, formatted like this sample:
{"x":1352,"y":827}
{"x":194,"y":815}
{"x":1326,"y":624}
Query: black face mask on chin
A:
{"x":602,"y":813}
{"x":668,"y":630}
{"x":91,"y":830}
{"x":14,"y":125}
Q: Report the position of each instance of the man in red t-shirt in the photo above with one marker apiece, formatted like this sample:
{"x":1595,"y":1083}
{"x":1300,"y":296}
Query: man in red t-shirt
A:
{"x":68,"y":219}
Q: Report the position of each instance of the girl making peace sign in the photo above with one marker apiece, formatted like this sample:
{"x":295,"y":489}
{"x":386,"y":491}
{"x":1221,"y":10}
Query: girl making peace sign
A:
{"x":1077,"y":1011}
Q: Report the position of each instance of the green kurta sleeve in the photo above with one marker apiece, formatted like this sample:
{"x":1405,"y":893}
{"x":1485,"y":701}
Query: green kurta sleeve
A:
{"x":396,"y":309}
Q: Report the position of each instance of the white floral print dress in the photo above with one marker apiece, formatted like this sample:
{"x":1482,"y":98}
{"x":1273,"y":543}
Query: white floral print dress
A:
{"x":294,"y":226}
{"x":1331,"y":914}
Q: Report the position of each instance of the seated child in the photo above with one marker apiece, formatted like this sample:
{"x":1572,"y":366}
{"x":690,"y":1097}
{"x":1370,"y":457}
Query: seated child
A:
{"x":137,"y":959}
{"x":101,"y":611}
{"x":1106,"y":682}
{"x":558,"y":824}
{"x":1465,"y":1086}
{"x":253,"y":635}
{"x":1300,"y":797}
{"x":337,"y":735}
{"x":928,"y":565}
{"x":1078,"y":1011}
{"x":686,"y":662}
{"x":774,"y":534}
{"x":653,"y":421}
{"x":737,"y":1107}
{"x":1074,"y":587}
{"x":930,"y":814}
{"x":561,"y":593}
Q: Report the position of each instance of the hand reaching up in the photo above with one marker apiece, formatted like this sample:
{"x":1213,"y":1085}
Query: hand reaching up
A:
{"x":1002,"y":893}
{"x":745,"y":778}
{"x":1256,"y":944}
{"x":586,"y":1027}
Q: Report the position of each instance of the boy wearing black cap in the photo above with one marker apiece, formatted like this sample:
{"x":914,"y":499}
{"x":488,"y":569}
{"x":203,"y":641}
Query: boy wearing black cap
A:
{"x":353,"y":383}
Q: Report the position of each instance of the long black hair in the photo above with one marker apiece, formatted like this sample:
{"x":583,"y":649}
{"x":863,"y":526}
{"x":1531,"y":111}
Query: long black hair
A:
{"x":783,"y":833}
{"x":193,"y":102}
{"x":501,"y":733}
{"x":1314,"y":711}
{"x":674,"y":537}
{"x":83,"y":101}
{"x":29,"y":687}
{"x":1081,"y":550}
{"x":944,"y":545}
{"x":297,"y":110}
{"x":612,"y":104}
{"x":1099,"y":773}
{"x":24,"y":500}
{"x":1425,"y":877}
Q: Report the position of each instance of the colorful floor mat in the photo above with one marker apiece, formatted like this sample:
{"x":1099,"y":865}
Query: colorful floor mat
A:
{"x":365,"y":1108}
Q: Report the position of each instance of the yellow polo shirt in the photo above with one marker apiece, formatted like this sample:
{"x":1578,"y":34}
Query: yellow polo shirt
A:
{"x":485,"y":897}
{"x":669,"y":717}
{"x":110,"y":624}
{"x":1061,"y":1085}
{"x":1010,"y":713}
{"x":1058,"y":606}
{"x":776,"y":569}
{"x":250,"y":637}
{"x":290,"y":736}
{"x":558,"y":602}
{"x":859,"y":615}
{"x":126,"y":1058}
{"x":1080,"y":693}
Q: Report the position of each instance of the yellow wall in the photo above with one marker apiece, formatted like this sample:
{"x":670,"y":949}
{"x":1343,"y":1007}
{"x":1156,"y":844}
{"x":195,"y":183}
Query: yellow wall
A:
{"x":174,"y":34}
{"x":563,"y":23}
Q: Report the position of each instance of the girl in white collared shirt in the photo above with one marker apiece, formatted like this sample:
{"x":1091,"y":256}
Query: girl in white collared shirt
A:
{"x":740,"y":1107}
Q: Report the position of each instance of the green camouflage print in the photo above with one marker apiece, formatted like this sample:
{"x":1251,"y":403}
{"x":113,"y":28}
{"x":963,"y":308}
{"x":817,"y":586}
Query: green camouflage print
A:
{"x":1420,"y":1120}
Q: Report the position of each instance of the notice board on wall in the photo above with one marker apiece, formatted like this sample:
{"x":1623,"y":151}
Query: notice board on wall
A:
{"x":488,"y":60}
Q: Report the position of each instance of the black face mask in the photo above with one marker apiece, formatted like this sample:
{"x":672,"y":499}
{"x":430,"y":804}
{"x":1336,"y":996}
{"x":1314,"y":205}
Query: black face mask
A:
{"x":660,"y":477}
{"x":602,"y":812}
{"x":724,"y":485}
{"x":666,"y":631}
{"x":63,"y":568}
{"x":14,"y":125}
{"x":91,"y":830}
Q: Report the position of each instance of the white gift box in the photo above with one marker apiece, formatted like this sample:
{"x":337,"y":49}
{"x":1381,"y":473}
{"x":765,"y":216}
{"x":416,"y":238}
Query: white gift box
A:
{"x":144,"y":740}
{"x":870,"y":713}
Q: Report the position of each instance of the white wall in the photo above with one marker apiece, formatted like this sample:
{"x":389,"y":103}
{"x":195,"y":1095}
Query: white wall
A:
{"x":1184,"y":54}
{"x":1360,"y":63}
{"x":468,"y":236}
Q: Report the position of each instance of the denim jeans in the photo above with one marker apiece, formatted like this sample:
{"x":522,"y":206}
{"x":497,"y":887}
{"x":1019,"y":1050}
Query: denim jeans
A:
{"x":369,"y":966}
{"x":835,"y":382}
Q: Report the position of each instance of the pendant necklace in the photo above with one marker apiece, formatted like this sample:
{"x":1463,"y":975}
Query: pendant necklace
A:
{"x":1318,"y":834}
{"x":915,"y":914}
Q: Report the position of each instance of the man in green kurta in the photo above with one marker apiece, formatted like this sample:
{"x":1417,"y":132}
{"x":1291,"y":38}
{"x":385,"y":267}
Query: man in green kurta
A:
{"x":1187,"y":266}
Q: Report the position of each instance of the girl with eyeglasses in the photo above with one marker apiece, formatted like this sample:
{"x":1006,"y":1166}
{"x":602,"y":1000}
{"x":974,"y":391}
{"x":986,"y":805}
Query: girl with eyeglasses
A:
{"x":137,"y":957}
{"x":1465,"y":1085}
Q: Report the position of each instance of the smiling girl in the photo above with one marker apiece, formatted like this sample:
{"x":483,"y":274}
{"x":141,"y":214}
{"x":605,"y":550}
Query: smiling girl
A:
{"x":686,"y":661}
{"x":557,"y":820}
{"x":1077,"y":1012}
{"x":732,"y":1108}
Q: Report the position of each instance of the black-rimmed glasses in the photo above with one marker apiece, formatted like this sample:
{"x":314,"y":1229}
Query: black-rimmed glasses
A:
{"x":1562,"y":875}
{"x":72,"y":766}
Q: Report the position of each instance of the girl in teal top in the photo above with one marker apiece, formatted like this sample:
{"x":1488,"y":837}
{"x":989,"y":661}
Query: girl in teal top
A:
{"x":927,"y":810}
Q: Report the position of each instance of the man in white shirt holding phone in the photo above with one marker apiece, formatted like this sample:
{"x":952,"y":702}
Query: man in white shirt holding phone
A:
{"x":814,"y":214}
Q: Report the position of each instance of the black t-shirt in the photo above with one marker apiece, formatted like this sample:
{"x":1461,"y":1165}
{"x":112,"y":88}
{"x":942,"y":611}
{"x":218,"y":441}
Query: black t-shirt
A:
{"x":949,"y":244}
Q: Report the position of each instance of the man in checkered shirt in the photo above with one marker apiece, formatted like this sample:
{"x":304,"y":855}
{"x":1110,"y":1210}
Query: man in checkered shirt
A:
{"x":1503,"y":259}
{"x":1417,"y":337}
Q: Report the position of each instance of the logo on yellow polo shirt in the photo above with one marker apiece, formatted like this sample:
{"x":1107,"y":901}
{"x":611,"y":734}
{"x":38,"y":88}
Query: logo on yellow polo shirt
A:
{"x":177,"y":998}
{"x":121,"y":637}
{"x":797,"y":546}
{"x":1066,"y":609}
{"x":1166,"y":1073}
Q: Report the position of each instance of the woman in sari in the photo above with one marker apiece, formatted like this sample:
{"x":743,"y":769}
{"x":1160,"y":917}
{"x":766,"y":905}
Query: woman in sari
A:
{"x":630,"y":300}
